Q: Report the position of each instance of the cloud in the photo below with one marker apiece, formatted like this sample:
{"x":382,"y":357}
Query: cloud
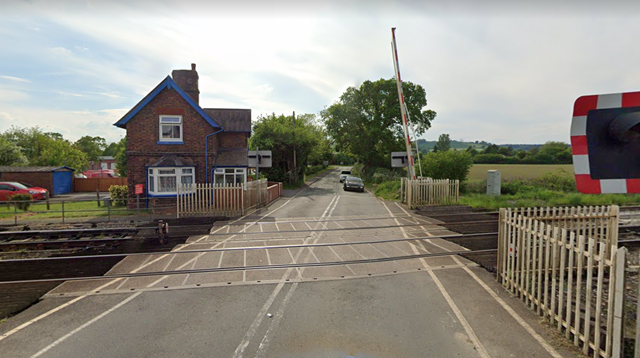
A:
{"x":264,"y":89}
{"x":15,"y":79}
{"x":59,"y":50}
{"x":7,"y":117}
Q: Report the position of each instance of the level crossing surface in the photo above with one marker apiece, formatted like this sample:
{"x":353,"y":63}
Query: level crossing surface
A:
{"x":261,"y":286}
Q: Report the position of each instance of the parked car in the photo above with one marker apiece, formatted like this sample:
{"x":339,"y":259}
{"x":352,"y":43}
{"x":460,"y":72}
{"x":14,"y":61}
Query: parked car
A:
{"x":353,"y":183}
{"x":8,"y":189}
{"x":344,"y":174}
{"x":102,"y":173}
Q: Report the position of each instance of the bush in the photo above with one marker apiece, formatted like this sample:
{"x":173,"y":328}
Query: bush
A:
{"x":315,"y":169}
{"x":118,"y":194}
{"x":474,"y":187}
{"x":22,"y":201}
{"x":451,"y":164}
{"x":559,"y":180}
{"x":389,"y":190}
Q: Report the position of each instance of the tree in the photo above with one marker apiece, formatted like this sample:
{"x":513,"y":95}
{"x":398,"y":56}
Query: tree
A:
{"x":46,"y":149}
{"x":491,"y":149}
{"x":443,"y":144}
{"x":91,"y":146}
{"x":10,"y":154}
{"x":276,"y":133}
{"x":366,"y":121}
{"x":120,"y":155}
{"x":111,"y":150}
{"x":450,"y":164}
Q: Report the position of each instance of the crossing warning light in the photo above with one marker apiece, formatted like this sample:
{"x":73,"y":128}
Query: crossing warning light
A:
{"x":605,"y":141}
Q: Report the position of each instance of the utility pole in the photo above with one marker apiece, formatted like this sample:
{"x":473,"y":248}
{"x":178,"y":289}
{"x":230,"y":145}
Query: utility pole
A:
{"x":295,"y":167}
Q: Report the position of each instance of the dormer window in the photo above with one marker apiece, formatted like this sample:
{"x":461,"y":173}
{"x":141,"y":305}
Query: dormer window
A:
{"x":170,"y":130}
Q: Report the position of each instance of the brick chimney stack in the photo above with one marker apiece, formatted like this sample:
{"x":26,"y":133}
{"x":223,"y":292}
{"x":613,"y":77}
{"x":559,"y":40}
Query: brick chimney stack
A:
{"x":188,"y":81}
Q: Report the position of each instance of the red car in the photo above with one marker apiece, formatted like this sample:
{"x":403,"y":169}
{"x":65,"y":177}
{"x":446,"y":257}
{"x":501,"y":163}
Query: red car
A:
{"x":8,"y":189}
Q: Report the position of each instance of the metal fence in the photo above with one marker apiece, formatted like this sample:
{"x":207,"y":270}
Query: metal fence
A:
{"x":73,"y":210}
{"x":565,"y":265}
{"x":427,"y":191}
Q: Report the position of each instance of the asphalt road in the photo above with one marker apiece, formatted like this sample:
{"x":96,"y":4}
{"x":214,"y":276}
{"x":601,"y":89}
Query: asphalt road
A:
{"x":435,"y":307}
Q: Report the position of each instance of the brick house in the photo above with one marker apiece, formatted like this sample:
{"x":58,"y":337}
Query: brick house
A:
{"x":171,"y":140}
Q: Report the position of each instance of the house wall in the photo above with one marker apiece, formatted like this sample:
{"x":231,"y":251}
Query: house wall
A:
{"x":143,"y":135}
{"x":41,"y":179}
{"x":233,"y":140}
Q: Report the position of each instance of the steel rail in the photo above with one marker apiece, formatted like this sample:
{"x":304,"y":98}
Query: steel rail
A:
{"x":256,"y":267}
{"x":354,"y":228}
{"x":67,"y":231}
{"x":250,"y":248}
{"x":62,"y":242}
{"x":325,"y":220}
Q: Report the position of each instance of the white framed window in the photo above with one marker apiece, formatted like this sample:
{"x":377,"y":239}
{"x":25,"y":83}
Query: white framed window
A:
{"x":164,"y":180}
{"x":230,"y":176}
{"x":170,"y":129}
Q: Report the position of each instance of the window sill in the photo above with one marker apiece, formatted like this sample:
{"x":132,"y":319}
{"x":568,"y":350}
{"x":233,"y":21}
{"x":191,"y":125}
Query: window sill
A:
{"x":161,"y":142}
{"x":167,"y":195}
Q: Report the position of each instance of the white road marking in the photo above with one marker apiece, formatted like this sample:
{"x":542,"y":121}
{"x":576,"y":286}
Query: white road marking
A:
{"x":95,"y":319}
{"x":258,"y":320}
{"x":500,"y":301}
{"x":463,"y":321}
{"x":264,"y":345}
{"x":67,"y":304}
{"x":510,"y":310}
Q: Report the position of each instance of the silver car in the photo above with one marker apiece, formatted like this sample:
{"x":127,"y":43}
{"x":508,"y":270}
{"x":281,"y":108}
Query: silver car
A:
{"x":353,"y":183}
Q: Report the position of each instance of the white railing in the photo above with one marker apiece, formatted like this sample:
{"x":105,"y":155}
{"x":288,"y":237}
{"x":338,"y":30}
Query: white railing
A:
{"x":427,"y":191}
{"x":226,"y":200}
{"x":565,"y":265}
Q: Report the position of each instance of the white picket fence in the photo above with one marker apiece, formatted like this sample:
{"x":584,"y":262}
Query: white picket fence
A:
{"x":565,"y":265}
{"x":427,"y":191}
{"x":227,"y":200}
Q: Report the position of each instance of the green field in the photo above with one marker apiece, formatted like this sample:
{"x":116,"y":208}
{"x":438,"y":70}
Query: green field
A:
{"x":524,"y":171}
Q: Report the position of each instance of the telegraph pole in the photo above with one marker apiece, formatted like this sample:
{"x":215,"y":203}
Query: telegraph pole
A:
{"x":295,"y":167}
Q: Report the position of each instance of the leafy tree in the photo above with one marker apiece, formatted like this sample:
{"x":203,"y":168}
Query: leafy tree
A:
{"x":491,"y":149}
{"x":443,"y":144}
{"x":450,"y":164}
{"x":506,"y":151}
{"x":62,"y":153}
{"x":275,"y":133}
{"x":345,"y":158}
{"x":120,"y":155}
{"x":46,"y":149}
{"x":111,"y":150}
{"x":472,"y":151}
{"x":10,"y":154}
{"x":554,"y":152}
{"x":366,"y":121}
{"x":91,"y":146}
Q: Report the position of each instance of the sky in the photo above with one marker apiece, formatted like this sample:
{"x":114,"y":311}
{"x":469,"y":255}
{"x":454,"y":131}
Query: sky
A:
{"x":493,"y":70}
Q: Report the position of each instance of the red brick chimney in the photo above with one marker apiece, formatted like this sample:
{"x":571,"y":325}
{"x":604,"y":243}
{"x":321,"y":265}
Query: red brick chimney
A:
{"x":188,"y":81}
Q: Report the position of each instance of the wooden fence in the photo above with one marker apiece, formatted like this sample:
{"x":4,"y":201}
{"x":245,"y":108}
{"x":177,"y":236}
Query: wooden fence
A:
{"x":227,"y":200}
{"x":91,"y":184}
{"x":427,"y":191}
{"x":565,"y":265}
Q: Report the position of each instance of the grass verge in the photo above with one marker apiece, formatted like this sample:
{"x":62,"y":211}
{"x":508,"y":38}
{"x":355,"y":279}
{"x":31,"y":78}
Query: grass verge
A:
{"x":545,"y":197}
{"x":77,"y":209}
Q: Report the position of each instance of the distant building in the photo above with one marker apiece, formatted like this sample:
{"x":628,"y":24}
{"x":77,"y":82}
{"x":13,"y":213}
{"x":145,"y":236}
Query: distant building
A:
{"x":104,"y":162}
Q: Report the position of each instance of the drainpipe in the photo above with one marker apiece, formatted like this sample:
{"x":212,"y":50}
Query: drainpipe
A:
{"x":206,"y":153}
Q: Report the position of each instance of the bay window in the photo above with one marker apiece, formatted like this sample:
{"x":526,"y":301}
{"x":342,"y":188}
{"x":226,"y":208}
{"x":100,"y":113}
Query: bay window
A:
{"x":164,"y":181}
